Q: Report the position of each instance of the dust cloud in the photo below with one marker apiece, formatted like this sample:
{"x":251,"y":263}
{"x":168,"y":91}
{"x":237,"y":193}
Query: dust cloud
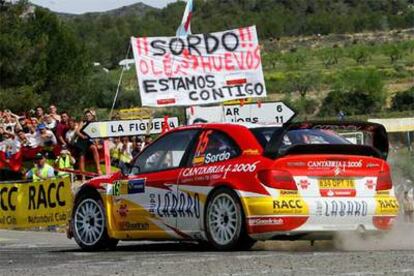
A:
{"x":401,"y":237}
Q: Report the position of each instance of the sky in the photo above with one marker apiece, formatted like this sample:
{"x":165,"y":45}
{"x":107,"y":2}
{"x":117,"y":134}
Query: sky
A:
{"x":82,"y":6}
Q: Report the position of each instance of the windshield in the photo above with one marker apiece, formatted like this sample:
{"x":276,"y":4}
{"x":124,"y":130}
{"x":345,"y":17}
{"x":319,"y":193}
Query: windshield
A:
{"x":311,"y":137}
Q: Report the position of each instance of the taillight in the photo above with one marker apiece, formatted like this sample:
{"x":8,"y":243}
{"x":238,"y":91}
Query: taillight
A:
{"x":384,"y":181}
{"x":277,"y":179}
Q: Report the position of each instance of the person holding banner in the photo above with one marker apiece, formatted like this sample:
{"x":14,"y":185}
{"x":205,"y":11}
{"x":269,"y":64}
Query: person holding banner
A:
{"x":41,"y":170}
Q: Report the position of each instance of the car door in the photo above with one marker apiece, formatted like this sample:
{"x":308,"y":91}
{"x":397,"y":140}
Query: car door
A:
{"x":210,"y":154}
{"x":151,"y":194}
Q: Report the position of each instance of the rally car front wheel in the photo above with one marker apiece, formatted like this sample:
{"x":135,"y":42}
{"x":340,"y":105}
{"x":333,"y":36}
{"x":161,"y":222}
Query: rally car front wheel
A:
{"x":89,"y":224}
{"x":224,"y":221}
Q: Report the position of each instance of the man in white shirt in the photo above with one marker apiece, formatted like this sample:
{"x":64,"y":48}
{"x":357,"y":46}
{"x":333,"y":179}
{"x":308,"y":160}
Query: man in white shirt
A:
{"x":45,"y":137}
{"x":27,"y":139}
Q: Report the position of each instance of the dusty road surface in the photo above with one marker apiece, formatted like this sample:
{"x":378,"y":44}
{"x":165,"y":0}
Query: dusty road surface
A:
{"x":39,"y":253}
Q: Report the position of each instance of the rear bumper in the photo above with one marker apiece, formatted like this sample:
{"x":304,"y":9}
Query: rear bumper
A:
{"x":295,"y":216}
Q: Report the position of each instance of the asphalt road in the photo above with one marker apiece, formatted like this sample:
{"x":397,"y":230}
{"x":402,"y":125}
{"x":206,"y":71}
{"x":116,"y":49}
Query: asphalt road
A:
{"x":41,"y":253}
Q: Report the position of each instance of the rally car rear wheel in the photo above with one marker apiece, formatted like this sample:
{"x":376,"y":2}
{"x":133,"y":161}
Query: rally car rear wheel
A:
{"x":224,"y":221}
{"x":89,"y":224}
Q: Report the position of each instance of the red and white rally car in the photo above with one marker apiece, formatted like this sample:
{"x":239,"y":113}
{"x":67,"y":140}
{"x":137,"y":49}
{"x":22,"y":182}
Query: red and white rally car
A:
{"x":230,"y":185}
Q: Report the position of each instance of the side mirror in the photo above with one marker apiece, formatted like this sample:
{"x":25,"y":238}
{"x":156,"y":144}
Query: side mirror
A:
{"x":135,"y":169}
{"x":125,"y":168}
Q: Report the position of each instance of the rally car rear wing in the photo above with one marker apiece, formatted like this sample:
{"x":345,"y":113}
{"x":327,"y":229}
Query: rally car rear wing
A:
{"x":375,"y":142}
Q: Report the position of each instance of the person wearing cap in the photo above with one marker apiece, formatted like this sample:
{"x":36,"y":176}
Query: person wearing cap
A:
{"x":50,"y":122}
{"x":41,"y":170}
{"x":65,"y":161}
{"x":46,"y":137}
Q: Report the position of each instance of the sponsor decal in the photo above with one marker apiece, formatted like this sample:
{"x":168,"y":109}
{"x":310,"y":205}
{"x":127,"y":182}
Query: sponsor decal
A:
{"x":123,"y":187}
{"x":338,"y":193}
{"x":323,"y":164}
{"x":342,"y":208}
{"x":265,"y":221}
{"x":119,"y":189}
{"x":134,"y":226}
{"x":198,"y":160}
{"x":220,"y":169}
{"x":196,"y":171}
{"x":304,"y":184}
{"x":211,"y":158}
{"x":373,"y":165}
{"x":175,"y":205}
{"x":202,"y":144}
{"x":296,"y":164}
{"x":251,"y":152}
{"x":123,"y":210}
{"x":338,"y":171}
{"x":288,"y":203}
{"x":290,"y":206}
{"x":289,"y":192}
{"x":136,"y":186}
{"x":370,"y":184}
{"x":387,"y":206}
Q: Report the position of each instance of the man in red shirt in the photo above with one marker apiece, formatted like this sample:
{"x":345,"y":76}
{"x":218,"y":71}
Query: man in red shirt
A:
{"x":62,"y":127}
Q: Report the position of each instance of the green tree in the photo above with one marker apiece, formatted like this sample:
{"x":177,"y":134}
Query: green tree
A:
{"x":42,"y":60}
{"x":302,"y":82}
{"x":294,"y":59}
{"x":360,"y":53}
{"x":357,"y":91}
{"x":330,"y":56}
{"x":394,"y":51}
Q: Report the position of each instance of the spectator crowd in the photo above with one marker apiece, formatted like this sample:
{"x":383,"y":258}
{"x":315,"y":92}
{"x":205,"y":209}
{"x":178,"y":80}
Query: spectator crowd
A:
{"x":30,"y":138}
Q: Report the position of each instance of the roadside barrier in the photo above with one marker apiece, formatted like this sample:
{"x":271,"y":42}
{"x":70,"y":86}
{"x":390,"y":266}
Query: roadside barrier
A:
{"x":35,"y":204}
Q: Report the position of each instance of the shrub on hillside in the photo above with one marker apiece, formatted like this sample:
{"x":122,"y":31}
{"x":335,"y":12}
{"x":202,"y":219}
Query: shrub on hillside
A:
{"x":403,"y":101}
{"x":305,"y":107}
{"x":360,"y":53}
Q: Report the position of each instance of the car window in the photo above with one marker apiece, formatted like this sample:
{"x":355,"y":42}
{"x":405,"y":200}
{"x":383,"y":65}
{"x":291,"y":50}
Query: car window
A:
{"x":299,"y":137}
{"x":214,"y":146}
{"x":263,"y":134}
{"x":312,"y":136}
{"x":165,"y":153}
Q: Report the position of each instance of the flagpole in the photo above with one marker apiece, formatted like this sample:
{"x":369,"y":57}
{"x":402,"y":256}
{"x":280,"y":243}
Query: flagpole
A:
{"x":119,"y":83}
{"x":184,"y":22}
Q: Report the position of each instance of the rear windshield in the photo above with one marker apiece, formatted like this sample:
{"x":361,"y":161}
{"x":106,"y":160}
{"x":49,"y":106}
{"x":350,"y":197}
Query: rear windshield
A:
{"x":299,"y":137}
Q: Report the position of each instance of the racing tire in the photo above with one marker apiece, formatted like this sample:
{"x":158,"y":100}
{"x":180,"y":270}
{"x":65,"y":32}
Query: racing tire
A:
{"x":89,"y":224}
{"x":224,"y":222}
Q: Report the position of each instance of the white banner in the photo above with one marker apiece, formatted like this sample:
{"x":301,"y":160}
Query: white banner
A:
{"x":199,"y":69}
{"x":266,"y":113}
